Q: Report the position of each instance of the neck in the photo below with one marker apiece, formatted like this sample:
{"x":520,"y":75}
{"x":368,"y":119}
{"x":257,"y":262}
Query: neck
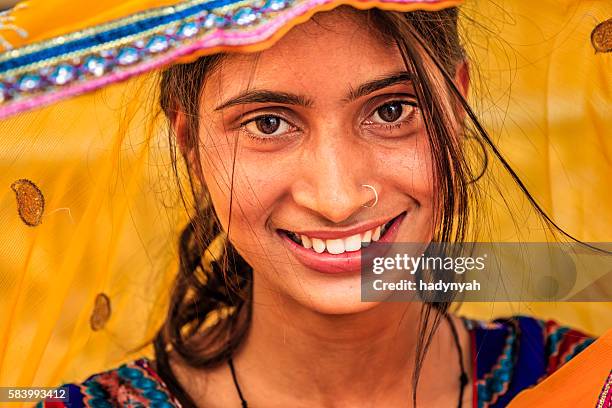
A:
{"x":325,"y":359}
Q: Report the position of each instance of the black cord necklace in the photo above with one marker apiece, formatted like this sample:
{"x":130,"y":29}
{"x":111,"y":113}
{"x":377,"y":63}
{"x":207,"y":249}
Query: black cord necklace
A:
{"x":463,"y":378}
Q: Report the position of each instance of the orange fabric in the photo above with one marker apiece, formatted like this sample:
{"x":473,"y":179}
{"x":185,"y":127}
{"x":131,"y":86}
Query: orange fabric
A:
{"x":577,"y":384}
{"x":112,"y":218}
{"x":45,"y":19}
{"x":362,"y":5}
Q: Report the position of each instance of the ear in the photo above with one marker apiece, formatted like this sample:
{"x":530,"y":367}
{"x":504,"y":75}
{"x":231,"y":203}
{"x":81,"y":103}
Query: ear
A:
{"x":462,"y":77}
{"x":188,"y":149}
{"x":179,"y":126}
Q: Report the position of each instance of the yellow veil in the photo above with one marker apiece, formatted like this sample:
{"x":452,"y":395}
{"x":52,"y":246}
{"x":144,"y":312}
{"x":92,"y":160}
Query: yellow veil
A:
{"x":85,"y":285}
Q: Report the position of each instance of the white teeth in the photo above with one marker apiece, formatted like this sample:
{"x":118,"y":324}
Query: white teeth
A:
{"x":384,"y":228}
{"x":376,"y":234}
{"x":352,"y":243}
{"x":306,"y":242}
{"x":367,"y":236}
{"x":318,"y":245}
{"x":335,"y":246}
{"x":341,"y":245}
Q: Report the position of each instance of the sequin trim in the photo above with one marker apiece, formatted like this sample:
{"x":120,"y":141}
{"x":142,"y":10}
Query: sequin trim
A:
{"x":605,"y":397}
{"x":79,"y":62}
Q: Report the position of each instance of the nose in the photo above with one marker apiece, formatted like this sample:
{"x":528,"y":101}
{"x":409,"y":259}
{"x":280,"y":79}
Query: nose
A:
{"x":332,"y":186}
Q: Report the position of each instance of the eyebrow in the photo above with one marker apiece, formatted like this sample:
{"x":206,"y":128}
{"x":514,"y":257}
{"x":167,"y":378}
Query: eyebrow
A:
{"x":378,"y":84}
{"x":265,"y":96}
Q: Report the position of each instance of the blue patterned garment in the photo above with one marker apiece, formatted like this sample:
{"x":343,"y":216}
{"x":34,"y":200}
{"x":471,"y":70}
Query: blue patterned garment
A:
{"x":508,"y":356}
{"x":513,"y":354}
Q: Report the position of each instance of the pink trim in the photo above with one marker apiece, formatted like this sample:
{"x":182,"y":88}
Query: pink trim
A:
{"x":605,"y":396}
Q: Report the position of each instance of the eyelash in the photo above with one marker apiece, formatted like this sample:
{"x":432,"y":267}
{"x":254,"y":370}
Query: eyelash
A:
{"x":391,"y":126}
{"x":396,"y":125}
{"x":260,"y":139}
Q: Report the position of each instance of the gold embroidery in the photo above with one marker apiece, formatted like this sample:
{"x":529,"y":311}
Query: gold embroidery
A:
{"x":601,"y":36}
{"x":30,"y":202}
{"x":101,"y":312}
{"x":6,"y":23}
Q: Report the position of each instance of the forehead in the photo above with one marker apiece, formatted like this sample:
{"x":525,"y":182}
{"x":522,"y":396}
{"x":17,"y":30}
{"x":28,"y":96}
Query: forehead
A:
{"x":331,"y":53}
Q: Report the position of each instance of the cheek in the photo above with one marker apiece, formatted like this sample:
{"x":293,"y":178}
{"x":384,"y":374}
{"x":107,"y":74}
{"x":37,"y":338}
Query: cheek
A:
{"x":258,"y":188}
{"x":407,"y":169}
{"x":252,"y":184}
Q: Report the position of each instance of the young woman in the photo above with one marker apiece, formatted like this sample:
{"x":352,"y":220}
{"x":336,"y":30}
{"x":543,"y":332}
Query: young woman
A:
{"x":349,"y":129}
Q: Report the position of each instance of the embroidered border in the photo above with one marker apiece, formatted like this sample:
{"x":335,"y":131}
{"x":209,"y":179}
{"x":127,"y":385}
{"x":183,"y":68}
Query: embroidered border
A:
{"x":79,"y":62}
{"x":605,"y":397}
{"x":116,"y":51}
{"x":562,"y":344}
{"x":129,"y":385}
{"x":495,"y":383}
{"x":119,"y":30}
{"x":576,"y":349}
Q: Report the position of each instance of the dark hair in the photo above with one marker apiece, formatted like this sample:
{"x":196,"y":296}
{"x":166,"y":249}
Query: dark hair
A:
{"x":210,"y":310}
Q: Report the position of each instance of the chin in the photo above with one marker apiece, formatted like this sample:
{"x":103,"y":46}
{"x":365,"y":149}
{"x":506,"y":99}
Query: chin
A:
{"x":337,"y":308}
{"x":316,"y":292}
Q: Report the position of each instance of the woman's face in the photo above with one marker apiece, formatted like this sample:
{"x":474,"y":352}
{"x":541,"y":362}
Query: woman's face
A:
{"x":297,"y":130}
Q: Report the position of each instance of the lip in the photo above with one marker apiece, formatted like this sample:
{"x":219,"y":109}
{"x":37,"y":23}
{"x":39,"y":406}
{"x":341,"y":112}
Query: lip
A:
{"x":341,"y":263}
{"x":343,"y":233}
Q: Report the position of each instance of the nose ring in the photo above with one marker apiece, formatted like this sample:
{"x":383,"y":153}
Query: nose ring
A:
{"x":375,"y":196}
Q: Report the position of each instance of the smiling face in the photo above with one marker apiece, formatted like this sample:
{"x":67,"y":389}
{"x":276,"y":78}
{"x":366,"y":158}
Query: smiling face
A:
{"x":298,"y":130}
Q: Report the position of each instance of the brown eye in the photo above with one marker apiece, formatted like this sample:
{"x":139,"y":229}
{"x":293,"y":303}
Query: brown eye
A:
{"x":395,"y":112}
{"x":390,"y":112}
{"x":268,"y":124}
